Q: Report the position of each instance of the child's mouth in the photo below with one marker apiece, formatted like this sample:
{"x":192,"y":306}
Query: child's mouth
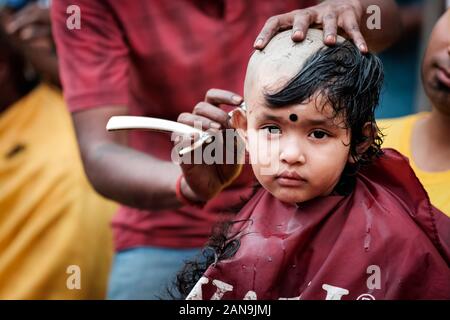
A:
{"x":290,"y":179}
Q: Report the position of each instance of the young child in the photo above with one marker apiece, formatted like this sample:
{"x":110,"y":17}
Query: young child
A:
{"x":336,"y":217}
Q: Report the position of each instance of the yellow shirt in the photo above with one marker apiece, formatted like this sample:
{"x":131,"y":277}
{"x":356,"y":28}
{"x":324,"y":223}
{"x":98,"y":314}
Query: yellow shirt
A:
{"x":398,"y":136}
{"x":55,"y":239}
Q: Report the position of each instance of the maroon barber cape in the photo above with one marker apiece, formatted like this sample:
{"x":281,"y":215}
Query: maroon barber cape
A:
{"x":383,"y":241}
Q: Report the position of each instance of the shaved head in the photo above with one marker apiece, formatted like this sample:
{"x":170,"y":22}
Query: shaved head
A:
{"x":339,"y":82}
{"x":281,"y":60}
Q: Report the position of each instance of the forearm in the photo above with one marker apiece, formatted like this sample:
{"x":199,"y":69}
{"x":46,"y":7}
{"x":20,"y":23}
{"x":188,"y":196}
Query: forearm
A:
{"x":121,"y":173}
{"x":390,"y":22}
{"x":131,"y":177}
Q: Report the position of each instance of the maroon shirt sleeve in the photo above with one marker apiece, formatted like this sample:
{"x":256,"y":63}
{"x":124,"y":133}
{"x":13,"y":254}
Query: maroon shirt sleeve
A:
{"x":93,"y":60}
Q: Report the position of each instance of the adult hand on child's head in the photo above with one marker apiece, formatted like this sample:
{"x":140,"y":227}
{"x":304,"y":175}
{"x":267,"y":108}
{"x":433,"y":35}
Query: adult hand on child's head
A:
{"x":331,"y":15}
{"x":204,"y":181}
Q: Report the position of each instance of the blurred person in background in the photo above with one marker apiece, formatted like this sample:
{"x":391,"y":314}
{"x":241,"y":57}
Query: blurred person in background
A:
{"x":55,"y":239}
{"x":401,"y":64}
{"x":424,"y":137}
{"x":157,"y":59}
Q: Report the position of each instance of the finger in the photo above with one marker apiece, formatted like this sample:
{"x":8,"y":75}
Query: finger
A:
{"x":302,"y":20}
{"x":349,"y":24}
{"x":186,"y":143}
{"x":218,"y":96}
{"x":329,"y":28}
{"x":183,"y":142}
{"x":267,"y":32}
{"x":198,"y":122}
{"x":26,"y":10}
{"x":272,"y":26}
{"x":29,"y":33}
{"x":22,"y":19}
{"x":211,"y":112}
{"x":39,"y":13}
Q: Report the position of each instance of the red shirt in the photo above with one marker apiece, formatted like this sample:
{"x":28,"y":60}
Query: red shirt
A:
{"x":159,"y":58}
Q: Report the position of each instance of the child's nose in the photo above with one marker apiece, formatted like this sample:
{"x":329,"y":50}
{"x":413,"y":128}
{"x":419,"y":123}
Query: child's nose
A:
{"x":293,"y":153}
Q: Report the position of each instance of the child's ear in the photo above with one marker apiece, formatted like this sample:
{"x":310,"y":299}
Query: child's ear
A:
{"x":239,"y":122}
{"x":369,"y":131}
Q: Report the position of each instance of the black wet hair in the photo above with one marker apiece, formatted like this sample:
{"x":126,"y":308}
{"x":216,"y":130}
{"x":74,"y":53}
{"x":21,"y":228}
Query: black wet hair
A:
{"x":351,"y":82}
{"x":221,"y":245}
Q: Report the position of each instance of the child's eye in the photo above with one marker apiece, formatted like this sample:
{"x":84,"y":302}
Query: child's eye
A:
{"x":272,"y":129}
{"x":318,"y":134}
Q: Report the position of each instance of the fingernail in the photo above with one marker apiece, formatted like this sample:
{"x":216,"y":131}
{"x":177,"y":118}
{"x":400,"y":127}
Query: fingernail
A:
{"x":215,"y":125}
{"x":236,"y":99}
{"x":362,"y":47}
{"x":330,"y":38}
{"x":298,"y":34}
{"x":258,"y":42}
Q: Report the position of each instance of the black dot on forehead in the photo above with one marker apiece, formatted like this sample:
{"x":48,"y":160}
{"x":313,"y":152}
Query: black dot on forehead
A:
{"x":293,"y":117}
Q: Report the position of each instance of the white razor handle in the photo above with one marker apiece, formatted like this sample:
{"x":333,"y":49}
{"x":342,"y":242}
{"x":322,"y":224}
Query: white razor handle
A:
{"x":156,"y":124}
{"x":133,"y":122}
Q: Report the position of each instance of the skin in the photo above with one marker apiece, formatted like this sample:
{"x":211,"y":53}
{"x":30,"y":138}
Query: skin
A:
{"x":275,"y":143}
{"x":29,"y":32}
{"x":430,"y":134}
{"x":304,"y":147}
{"x":337,"y":17}
{"x":144,"y":187}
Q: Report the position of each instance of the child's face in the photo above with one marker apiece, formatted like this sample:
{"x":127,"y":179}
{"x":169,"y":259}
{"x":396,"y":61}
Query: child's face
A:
{"x":298,"y":152}
{"x":295,"y":159}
